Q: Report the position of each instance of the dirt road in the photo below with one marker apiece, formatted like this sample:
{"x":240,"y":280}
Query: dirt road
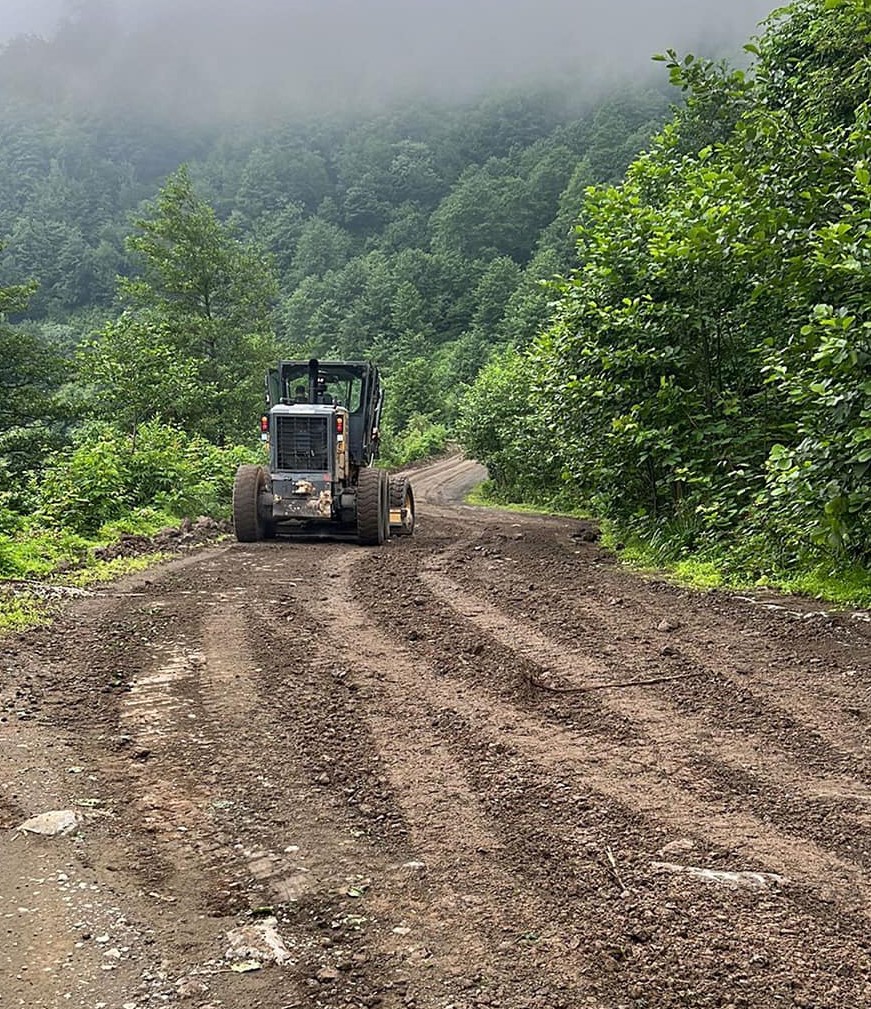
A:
{"x":481,"y":767}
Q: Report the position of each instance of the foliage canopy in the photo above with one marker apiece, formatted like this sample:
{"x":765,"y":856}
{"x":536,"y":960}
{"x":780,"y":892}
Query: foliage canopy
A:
{"x":708,"y":371}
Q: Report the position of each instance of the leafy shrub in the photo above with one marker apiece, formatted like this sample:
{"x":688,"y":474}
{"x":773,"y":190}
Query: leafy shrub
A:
{"x":420,"y":439}
{"x":10,"y":566}
{"x":504,"y":422}
{"x":101,"y":480}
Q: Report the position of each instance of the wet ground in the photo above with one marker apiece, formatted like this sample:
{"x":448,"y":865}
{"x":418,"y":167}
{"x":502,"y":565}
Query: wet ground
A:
{"x":481,"y":767}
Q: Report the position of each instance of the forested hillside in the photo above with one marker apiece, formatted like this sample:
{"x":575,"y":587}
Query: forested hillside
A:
{"x":706,"y":383}
{"x":151,"y":272}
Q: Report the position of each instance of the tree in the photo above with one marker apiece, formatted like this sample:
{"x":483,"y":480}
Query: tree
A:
{"x":22,"y":364}
{"x":209,"y":297}
{"x":30,"y":374}
{"x":322,"y":246}
{"x":134,"y":373}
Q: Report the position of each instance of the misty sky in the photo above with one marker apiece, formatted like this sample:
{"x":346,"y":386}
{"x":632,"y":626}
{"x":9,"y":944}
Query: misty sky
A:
{"x":298,"y":51}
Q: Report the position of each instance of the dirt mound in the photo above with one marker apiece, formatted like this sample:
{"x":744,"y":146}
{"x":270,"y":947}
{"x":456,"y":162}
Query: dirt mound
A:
{"x":186,"y":536}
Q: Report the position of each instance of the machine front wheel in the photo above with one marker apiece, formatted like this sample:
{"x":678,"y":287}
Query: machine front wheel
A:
{"x":401,"y":506}
{"x":250,"y":480}
{"x":371,"y":502}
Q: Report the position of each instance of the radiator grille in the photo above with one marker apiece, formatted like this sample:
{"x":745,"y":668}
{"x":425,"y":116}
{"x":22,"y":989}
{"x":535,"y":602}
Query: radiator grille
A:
{"x":301,"y":444}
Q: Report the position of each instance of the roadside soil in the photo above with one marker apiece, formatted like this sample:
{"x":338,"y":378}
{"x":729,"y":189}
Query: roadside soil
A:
{"x":484,"y":766}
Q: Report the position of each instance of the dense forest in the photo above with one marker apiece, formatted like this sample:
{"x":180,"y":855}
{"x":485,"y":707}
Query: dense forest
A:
{"x":151,"y":273}
{"x":675,"y":340}
{"x":706,"y":380}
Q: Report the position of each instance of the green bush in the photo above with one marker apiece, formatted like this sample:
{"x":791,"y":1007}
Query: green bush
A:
{"x":420,"y":439}
{"x":504,"y":422}
{"x":101,"y":480}
{"x":9,"y":562}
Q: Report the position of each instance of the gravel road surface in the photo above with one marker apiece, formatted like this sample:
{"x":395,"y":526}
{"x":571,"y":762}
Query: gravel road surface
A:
{"x":481,"y":767}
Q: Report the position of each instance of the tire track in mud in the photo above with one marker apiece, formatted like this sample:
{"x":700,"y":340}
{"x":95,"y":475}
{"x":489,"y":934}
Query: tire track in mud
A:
{"x":255,"y":835}
{"x":318,"y":690}
{"x":541,"y":848}
{"x":833,"y":803}
{"x":779,"y":701}
{"x":554,"y":756}
{"x":655,"y":784}
{"x":838,"y":821}
{"x":670,"y":736}
{"x":422,"y":619}
{"x":647,"y":927}
{"x":338,"y":589}
{"x":452,"y":917}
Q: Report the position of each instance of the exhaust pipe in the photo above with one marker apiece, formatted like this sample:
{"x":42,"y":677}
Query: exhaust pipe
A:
{"x":313,"y":368}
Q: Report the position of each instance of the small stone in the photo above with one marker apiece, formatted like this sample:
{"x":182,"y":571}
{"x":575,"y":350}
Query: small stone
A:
{"x":327,"y":975}
{"x":682,"y":844}
{"x":55,"y":823}
{"x":190,"y":987}
{"x":257,"y":942}
{"x":667,"y":626}
{"x":413,"y":868}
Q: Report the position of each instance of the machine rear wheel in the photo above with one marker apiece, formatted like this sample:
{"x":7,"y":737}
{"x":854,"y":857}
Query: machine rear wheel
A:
{"x":401,"y":500}
{"x":370,"y":507}
{"x":250,"y":480}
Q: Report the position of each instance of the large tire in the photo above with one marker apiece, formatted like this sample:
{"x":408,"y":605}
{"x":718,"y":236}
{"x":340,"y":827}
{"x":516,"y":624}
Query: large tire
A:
{"x":402,"y":499}
{"x":250,"y":480}
{"x":370,"y":507}
{"x":385,"y":505}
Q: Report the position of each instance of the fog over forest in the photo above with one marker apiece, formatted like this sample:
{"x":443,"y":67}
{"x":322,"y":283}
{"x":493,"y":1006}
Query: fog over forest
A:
{"x":211,"y":56}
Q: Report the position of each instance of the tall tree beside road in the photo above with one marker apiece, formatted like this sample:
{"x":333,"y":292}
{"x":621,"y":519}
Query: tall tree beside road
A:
{"x":707,"y":379}
{"x":209,"y":297}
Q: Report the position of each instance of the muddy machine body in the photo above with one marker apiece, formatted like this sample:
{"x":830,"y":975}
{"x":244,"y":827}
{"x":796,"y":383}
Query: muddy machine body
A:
{"x":322,"y":430}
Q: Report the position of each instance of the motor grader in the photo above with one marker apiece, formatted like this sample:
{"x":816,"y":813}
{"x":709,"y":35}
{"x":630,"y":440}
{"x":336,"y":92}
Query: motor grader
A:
{"x":321,"y":431}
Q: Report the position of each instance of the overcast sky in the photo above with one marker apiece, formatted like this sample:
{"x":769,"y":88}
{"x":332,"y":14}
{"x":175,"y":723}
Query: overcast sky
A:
{"x":311,"y":50}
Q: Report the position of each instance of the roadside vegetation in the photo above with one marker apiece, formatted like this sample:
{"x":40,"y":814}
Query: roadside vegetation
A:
{"x":705,"y":384}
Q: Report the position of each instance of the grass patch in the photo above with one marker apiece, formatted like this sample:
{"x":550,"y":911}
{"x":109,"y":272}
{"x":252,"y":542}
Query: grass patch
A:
{"x":846,"y":588}
{"x":849,"y":587}
{"x":22,"y":610}
{"x":39,"y":552}
{"x":58,"y":559}
{"x":108,"y":571}
{"x":484,"y":495}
